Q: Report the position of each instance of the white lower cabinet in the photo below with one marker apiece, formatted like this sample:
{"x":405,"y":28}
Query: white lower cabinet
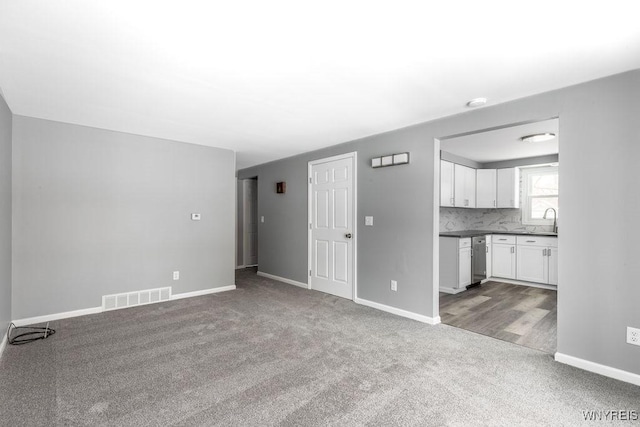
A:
{"x":503,"y":260}
{"x":464,"y":267}
{"x":455,"y":264}
{"x":489,"y":252}
{"x":552,"y":254}
{"x":537,"y":259}
{"x":533,"y":265}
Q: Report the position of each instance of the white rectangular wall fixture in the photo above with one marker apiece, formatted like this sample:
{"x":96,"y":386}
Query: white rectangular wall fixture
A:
{"x":132,"y":299}
{"x":390,"y":160}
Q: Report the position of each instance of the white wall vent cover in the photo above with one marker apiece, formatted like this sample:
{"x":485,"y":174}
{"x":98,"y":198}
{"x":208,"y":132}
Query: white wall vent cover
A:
{"x":131,"y":299}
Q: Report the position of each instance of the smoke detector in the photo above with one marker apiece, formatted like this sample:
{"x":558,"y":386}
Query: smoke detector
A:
{"x":476,"y":102}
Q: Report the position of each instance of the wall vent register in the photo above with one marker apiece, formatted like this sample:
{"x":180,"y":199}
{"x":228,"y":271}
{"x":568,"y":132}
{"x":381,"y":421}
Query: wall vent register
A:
{"x":132,"y":299}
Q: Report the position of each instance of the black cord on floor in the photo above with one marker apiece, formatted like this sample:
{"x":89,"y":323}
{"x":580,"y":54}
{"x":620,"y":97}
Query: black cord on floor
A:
{"x":34,"y":334}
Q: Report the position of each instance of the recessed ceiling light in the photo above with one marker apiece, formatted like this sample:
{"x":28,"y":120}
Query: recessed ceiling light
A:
{"x":477,"y":102}
{"x":538,"y":137}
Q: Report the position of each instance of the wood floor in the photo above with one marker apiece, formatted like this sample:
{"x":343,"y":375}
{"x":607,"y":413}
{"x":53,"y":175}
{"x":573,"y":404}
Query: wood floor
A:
{"x":518,"y":314}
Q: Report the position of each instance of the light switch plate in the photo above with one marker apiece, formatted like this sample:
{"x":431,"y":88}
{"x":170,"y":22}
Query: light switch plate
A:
{"x":262,"y":219}
{"x":195,"y":216}
{"x":368,"y":220}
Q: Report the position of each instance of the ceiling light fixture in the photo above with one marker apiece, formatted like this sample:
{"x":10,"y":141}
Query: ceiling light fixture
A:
{"x":538,"y":137}
{"x":477,"y":102}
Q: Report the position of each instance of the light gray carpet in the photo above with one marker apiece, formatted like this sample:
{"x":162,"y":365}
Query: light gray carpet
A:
{"x":270,"y":353}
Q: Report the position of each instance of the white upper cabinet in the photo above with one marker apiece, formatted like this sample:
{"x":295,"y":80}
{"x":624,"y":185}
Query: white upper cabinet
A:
{"x":508,"y":188}
{"x":486,"y":188}
{"x":464,"y":186}
{"x":446,"y":183}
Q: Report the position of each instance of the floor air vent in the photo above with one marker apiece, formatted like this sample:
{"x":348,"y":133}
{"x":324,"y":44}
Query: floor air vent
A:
{"x":132,"y":299}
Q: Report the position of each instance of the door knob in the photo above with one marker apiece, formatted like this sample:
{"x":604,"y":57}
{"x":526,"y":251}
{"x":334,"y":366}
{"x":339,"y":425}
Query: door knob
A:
{"x":348,"y":235}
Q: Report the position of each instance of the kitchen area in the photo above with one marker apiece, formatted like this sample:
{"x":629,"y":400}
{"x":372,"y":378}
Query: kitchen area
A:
{"x":499,"y":233}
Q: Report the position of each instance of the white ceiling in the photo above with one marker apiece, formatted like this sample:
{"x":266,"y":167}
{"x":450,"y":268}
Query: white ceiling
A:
{"x":271,"y":79}
{"x":504,"y":144}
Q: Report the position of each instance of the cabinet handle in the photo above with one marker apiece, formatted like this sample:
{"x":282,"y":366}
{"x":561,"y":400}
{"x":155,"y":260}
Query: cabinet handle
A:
{"x":531,"y":241}
{"x":549,"y":253}
{"x":471,"y":252}
{"x":487,"y":248}
{"x":502,"y":239}
{"x":544,"y":252}
{"x":494,"y":203}
{"x":513,"y":250}
{"x":453,"y":202}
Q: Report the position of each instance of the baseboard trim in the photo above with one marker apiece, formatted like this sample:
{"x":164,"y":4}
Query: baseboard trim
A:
{"x":522,"y":283}
{"x":452,"y":291}
{"x":283,"y":279}
{"x":57,"y":316}
{"x":399,"y":312}
{"x":203,"y":292}
{"x":3,"y":344}
{"x":239,"y":267}
{"x":597,"y":368}
{"x":95,"y":310}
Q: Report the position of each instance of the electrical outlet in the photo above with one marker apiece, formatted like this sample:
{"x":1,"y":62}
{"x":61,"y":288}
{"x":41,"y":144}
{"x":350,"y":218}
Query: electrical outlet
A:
{"x":394,"y":285}
{"x":633,"y":336}
{"x":176,"y":275}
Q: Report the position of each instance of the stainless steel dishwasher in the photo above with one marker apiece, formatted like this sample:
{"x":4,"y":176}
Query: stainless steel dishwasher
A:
{"x":478,"y":259}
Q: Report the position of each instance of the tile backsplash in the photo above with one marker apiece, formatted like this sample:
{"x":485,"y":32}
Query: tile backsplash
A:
{"x":456,"y":219}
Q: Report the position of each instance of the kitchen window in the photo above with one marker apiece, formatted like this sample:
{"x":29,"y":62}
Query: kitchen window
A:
{"x":539,"y":192}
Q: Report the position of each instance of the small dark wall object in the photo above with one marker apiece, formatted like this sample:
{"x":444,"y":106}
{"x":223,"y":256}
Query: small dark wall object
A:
{"x":281,"y":187}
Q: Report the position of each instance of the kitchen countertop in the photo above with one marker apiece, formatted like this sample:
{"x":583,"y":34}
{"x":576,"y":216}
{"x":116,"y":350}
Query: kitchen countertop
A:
{"x":474,"y":233}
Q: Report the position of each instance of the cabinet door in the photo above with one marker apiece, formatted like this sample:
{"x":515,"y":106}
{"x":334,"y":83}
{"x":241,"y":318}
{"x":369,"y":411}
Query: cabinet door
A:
{"x":464,"y":267}
{"x":552,"y":256}
{"x":486,"y":188}
{"x":446,"y":183}
{"x":533,"y":265}
{"x":464,"y":179}
{"x":470,"y":187}
{"x":503,"y":261}
{"x":508,"y":188}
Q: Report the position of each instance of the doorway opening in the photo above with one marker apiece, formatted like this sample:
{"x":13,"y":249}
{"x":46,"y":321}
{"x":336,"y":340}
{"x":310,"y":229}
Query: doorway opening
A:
{"x":497,"y":232}
{"x":247,"y":238}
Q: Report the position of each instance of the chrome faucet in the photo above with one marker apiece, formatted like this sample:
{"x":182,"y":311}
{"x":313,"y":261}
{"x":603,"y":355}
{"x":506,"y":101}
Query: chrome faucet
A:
{"x":555,"y":218}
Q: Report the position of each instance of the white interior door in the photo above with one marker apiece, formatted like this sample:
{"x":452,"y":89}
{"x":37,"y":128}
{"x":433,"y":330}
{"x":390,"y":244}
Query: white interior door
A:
{"x":250,"y":222}
{"x":332,"y":226}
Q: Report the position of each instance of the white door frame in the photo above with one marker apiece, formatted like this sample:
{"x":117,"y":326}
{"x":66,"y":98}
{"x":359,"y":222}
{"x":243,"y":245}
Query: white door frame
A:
{"x":436,"y":204}
{"x":354,"y":156}
{"x":245,"y":222}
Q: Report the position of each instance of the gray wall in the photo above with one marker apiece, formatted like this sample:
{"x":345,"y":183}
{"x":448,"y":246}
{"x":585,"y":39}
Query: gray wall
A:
{"x":445,"y":155}
{"x":599,"y":149}
{"x":528,"y":161}
{"x":97,"y":212}
{"x":5,"y":216}
{"x":511,"y":163}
